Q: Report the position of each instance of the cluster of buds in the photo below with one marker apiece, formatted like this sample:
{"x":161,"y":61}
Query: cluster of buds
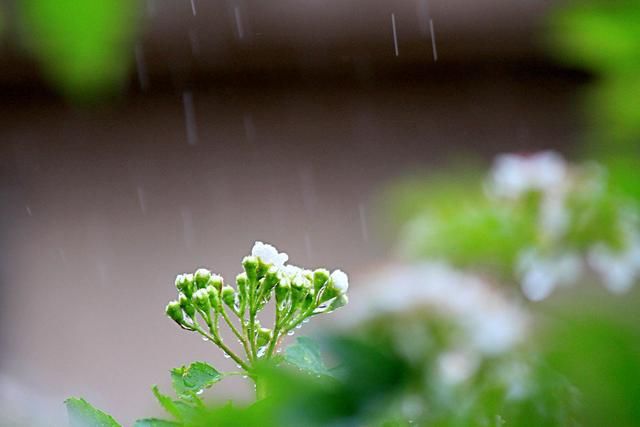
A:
{"x":297,"y":293}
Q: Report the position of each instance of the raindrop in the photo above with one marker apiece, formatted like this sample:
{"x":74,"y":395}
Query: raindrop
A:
{"x":290,"y":333}
{"x":199,"y":392}
{"x":141,"y":201}
{"x":245,"y":377}
{"x":279,"y":350}
{"x":205,"y":339}
{"x":238,"y":18}
{"x":262,"y":351}
{"x":363,"y":223}
{"x":141,"y":67}
{"x":307,"y":244}
{"x":195,"y":42}
{"x":395,"y":34}
{"x":193,"y":7}
{"x":299,"y":326}
{"x":187,"y":225}
{"x":307,"y":320}
{"x":190,"y":118}
{"x":433,"y":41}
{"x":226,"y":356}
{"x":28,"y":210}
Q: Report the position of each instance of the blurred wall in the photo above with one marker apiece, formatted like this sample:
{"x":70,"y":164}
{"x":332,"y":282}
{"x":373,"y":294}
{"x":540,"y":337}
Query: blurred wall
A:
{"x":284,"y":134}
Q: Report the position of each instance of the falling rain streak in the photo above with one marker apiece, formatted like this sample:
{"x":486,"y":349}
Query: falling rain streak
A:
{"x":190,"y":118}
{"x":193,"y":7}
{"x":238,"y":18}
{"x":141,"y":67}
{"x":363,"y":223}
{"x":433,"y":40}
{"x":141,"y":201}
{"x":395,"y":34}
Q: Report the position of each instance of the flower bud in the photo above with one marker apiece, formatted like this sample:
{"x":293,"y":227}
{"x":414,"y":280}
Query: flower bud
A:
{"x":201,"y":300}
{"x":282,"y":291}
{"x":340,"y":301}
{"x":320,"y":278}
{"x":214,"y":297}
{"x":216,"y":281}
{"x":241,"y":282}
{"x":184,"y":283}
{"x":201,"y":277}
{"x":270,"y":280}
{"x":339,"y":281}
{"x":186,"y":305}
{"x":228,"y":295}
{"x":174,"y":311}
{"x":250,"y":264}
{"x":264,"y":336}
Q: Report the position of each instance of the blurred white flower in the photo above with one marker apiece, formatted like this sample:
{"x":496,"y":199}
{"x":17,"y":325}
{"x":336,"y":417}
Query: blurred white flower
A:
{"x":269,"y":254}
{"x":540,"y":275}
{"x":490,"y":322}
{"x":618,"y":269}
{"x":457,"y":366}
{"x":340,"y":281}
{"x":513,"y":175}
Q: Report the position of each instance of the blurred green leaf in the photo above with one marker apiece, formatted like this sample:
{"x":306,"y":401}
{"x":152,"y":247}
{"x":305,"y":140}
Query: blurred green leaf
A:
{"x":305,"y":355}
{"x":84,"y":47}
{"x":82,"y":414}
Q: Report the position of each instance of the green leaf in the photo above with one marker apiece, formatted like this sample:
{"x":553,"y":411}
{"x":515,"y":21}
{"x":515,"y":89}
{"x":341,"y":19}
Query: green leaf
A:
{"x":192,"y":379}
{"x":82,"y":414}
{"x":154,"y":422}
{"x":167,"y":403}
{"x":305,"y":355}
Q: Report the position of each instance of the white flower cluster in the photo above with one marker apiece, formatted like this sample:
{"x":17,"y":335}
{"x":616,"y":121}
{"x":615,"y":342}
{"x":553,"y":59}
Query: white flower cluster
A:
{"x":541,"y":271}
{"x":296,"y":275}
{"x":485,"y":322}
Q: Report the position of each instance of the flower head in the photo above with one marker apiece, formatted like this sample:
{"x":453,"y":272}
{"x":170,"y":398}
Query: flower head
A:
{"x":514,"y":175}
{"x":269,"y":254}
{"x":340,"y":281}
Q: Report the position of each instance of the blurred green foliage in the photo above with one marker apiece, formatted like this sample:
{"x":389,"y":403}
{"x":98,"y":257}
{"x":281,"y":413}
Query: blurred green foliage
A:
{"x":603,"y":37}
{"x":85,"y":48}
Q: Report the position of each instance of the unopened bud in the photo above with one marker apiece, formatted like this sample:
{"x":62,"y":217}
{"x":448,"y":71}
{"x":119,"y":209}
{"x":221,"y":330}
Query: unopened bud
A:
{"x":174,"y":311}
{"x":228,"y":295}
{"x":214,"y":297}
{"x":320,"y":278}
{"x":270,"y":280}
{"x":216,"y":281}
{"x":184,"y":283}
{"x":340,"y":301}
{"x":250,"y":264}
{"x":264,"y":336}
{"x":201,"y":277}
{"x":186,"y":305}
{"x":241,"y":282}
{"x":282,"y":291}
{"x":201,"y":300}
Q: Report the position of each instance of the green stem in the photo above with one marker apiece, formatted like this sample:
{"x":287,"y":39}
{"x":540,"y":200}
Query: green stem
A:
{"x":218,"y":341}
{"x":261,"y":388}
{"x":241,"y":337}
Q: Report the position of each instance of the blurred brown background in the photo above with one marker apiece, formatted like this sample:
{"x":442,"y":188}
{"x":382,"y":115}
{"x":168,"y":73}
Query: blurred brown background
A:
{"x":275,"y":120}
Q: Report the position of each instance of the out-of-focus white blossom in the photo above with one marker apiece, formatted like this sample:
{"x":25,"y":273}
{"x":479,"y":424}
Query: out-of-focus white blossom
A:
{"x":619,"y":270}
{"x":269,"y":254}
{"x":490,"y":322}
{"x":513,"y":175}
{"x":540,"y":275}
{"x":457,"y":366}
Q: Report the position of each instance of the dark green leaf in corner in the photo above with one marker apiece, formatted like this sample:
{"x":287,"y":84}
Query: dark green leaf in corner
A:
{"x":194,"y":378}
{"x":305,"y":355}
{"x":82,"y":414}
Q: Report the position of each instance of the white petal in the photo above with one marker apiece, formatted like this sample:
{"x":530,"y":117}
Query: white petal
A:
{"x":269,"y":254}
{"x":340,"y":281}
